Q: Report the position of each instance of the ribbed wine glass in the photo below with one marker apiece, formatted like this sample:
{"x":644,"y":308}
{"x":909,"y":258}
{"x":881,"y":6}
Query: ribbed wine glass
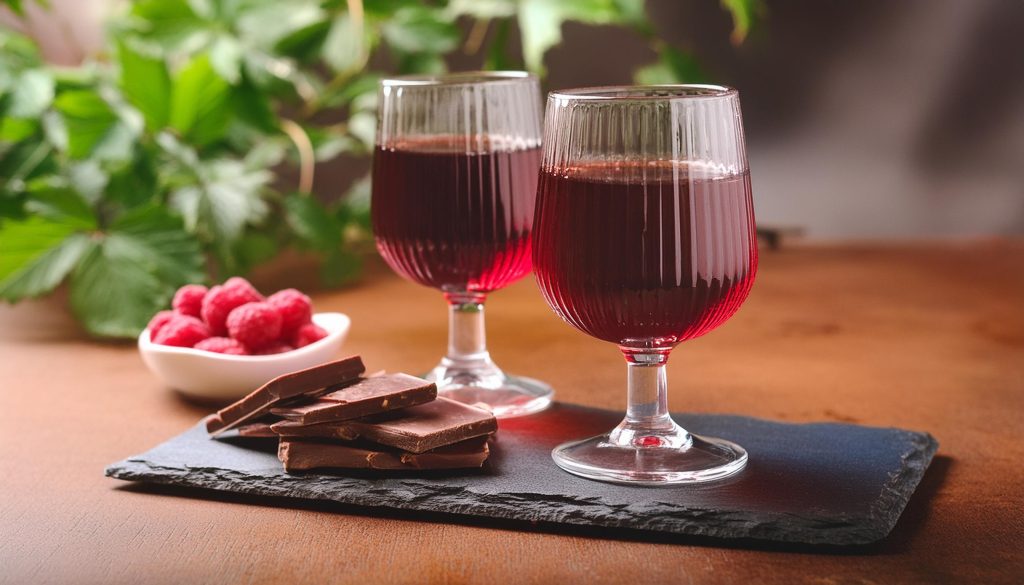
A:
{"x":454,"y":186}
{"x":644,"y":237}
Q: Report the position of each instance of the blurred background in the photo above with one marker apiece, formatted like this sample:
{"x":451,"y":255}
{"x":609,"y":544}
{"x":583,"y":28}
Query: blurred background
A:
{"x":865,"y":120}
{"x":869,"y":119}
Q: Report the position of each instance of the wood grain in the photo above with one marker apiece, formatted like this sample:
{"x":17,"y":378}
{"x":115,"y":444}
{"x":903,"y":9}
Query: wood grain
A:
{"x":925,"y":337}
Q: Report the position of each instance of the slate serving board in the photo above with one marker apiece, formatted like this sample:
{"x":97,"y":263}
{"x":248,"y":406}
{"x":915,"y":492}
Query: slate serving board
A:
{"x":822,"y":483}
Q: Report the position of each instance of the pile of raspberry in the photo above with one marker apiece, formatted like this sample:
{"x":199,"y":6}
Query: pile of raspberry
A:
{"x":234,"y":318}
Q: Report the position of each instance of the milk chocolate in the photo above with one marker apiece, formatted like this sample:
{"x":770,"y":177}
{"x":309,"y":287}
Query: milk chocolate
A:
{"x":256,"y":429}
{"x":313,"y":380}
{"x":365,"y":397}
{"x":306,"y":454}
{"x":415,"y":429}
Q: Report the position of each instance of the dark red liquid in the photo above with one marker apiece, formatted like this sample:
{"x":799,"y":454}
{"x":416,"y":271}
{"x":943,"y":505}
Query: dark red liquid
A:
{"x":649,"y":260}
{"x":452,"y":220}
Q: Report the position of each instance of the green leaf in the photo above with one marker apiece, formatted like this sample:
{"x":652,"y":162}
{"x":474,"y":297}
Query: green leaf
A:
{"x":366,"y":83}
{"x":17,"y":129}
{"x":540,"y":26}
{"x":744,"y":16}
{"x":55,"y":200}
{"x":87,"y":117}
{"x":267,"y":24}
{"x":363,"y":126}
{"x":199,"y":102}
{"x":226,"y":199}
{"x":88,"y":178}
{"x":16,"y":6}
{"x":111,"y":295}
{"x":420,"y":29}
{"x":329,"y":144}
{"x":354,"y":209}
{"x":540,"y":22}
{"x":133,"y":272}
{"x":36,"y":256}
{"x":55,"y":131}
{"x":25,"y":160}
{"x":226,"y":58}
{"x":252,"y":249}
{"x":674,"y":66}
{"x":345,"y":46}
{"x":173,"y":254}
{"x":146,"y":85}
{"x":170,"y":25}
{"x":134,"y":184}
{"x":421,"y":63}
{"x":252,"y":106}
{"x":497,"y":57}
{"x":386,"y":8}
{"x":32,"y":95}
{"x":312,"y":223}
{"x":305,"y":44}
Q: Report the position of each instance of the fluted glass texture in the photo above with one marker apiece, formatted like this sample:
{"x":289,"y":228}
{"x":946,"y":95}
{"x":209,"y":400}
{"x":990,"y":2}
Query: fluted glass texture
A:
{"x":455,"y":177}
{"x":644,"y":232}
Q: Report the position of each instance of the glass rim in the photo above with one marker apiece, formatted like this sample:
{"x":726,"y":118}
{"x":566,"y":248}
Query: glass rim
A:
{"x":457,"y":78}
{"x":650,"y":92}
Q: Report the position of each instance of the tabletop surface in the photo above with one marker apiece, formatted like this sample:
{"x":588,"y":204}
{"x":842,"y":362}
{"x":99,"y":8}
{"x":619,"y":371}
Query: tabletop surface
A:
{"x":927,"y":337}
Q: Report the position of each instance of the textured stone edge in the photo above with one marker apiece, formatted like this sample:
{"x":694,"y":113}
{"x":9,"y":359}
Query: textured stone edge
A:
{"x":421,"y":496}
{"x":888,"y":507}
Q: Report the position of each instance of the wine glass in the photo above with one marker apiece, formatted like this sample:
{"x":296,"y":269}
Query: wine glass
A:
{"x":644,"y":237}
{"x":454,"y":186}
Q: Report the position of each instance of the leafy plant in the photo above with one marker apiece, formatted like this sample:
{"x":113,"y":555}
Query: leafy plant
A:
{"x":159,"y":161}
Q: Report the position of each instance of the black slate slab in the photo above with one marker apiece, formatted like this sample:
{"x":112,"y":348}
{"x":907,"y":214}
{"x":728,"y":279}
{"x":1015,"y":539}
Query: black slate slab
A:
{"x":822,"y":483}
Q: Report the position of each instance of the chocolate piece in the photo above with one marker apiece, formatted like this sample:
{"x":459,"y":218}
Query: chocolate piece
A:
{"x":365,"y":397}
{"x":261,"y":400}
{"x":305,"y":454}
{"x":256,"y":429}
{"x":415,"y":429}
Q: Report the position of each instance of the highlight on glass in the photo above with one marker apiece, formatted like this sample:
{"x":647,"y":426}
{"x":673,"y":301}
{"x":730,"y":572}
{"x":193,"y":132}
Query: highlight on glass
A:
{"x":454,"y":186}
{"x":644,"y":237}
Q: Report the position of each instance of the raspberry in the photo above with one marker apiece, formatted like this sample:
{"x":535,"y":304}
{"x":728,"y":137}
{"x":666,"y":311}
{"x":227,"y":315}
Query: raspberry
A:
{"x":224,"y":345}
{"x":158,"y":321}
{"x":189,"y":300}
{"x":295,"y":308}
{"x":276,"y":347}
{"x":307,"y":334}
{"x":221,"y":300}
{"x":182,"y":331}
{"x":240,"y":283}
{"x":257,"y":325}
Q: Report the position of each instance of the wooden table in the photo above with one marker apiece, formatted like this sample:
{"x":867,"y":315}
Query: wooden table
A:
{"x":925,"y":337}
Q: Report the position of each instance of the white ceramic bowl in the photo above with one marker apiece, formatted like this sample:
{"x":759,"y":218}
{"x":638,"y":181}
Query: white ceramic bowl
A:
{"x":215,"y":376}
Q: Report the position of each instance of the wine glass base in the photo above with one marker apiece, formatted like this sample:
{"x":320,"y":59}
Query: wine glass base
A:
{"x":703,"y":459}
{"x":515,"y":396}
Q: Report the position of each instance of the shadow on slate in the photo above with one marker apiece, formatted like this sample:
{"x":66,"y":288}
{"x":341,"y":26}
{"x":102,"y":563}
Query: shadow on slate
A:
{"x":822,"y":483}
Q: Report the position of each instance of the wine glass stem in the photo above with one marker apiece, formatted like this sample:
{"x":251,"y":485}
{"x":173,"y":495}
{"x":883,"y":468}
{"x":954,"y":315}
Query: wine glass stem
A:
{"x":467,"y":338}
{"x":647,"y":422}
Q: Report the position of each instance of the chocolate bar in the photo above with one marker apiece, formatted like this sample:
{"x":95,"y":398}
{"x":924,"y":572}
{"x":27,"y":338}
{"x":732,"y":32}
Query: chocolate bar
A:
{"x":415,"y":429}
{"x":365,"y":397}
{"x":306,"y":454}
{"x":311,"y":380}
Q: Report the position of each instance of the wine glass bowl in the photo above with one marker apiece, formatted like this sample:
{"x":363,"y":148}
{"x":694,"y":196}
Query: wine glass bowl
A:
{"x":644,"y":237}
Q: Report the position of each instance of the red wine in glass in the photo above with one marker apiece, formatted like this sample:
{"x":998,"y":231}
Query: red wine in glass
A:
{"x":453,"y":220}
{"x":645,"y":263}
